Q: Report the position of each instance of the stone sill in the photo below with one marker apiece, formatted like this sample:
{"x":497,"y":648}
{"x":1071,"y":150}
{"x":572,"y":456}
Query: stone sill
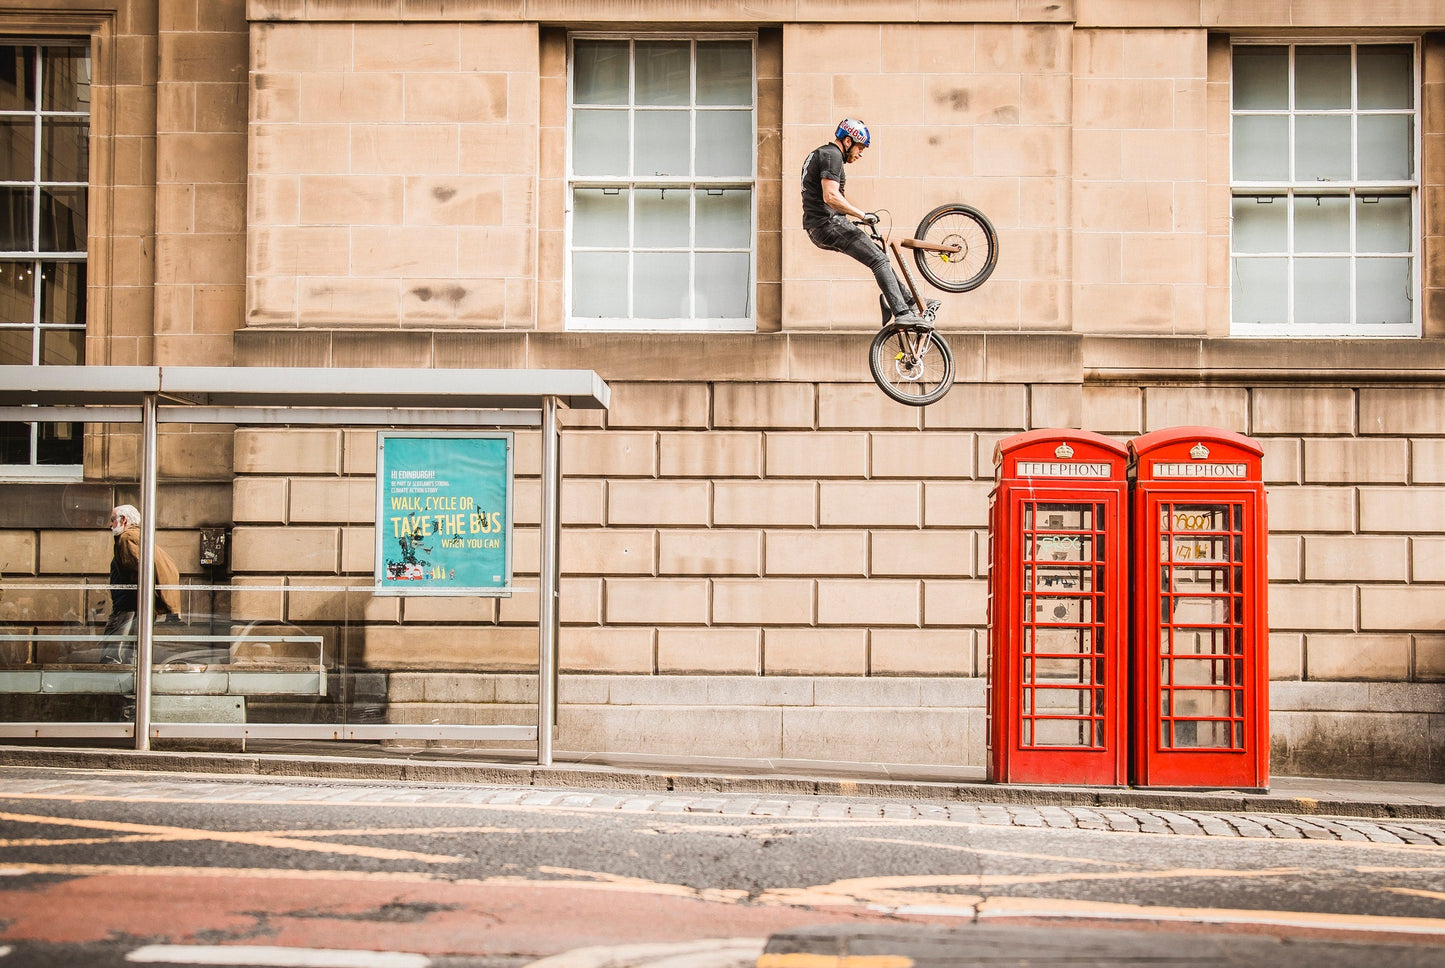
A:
{"x":1036,"y":358}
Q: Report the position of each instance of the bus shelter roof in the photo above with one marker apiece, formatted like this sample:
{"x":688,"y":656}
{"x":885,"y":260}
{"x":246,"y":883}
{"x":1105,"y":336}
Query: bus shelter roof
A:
{"x":337,"y":388}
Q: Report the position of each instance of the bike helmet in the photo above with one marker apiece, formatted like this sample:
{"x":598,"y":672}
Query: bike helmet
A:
{"x":852,"y":128}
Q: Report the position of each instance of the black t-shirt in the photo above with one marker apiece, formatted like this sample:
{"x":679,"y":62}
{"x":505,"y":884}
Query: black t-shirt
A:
{"x":826,"y":161}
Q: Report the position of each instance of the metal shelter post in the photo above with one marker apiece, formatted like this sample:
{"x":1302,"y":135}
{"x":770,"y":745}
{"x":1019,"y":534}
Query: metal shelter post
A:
{"x":145,"y":606}
{"x":548,"y":619}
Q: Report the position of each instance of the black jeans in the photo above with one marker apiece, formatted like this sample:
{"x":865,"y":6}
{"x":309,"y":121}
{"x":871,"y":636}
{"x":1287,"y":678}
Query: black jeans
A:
{"x":840,"y":235}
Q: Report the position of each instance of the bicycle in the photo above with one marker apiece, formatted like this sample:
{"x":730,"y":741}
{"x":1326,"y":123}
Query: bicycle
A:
{"x":956,"y":249}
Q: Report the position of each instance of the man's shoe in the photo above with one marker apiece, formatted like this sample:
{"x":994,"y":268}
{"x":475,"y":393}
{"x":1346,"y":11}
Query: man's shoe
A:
{"x":911,"y":318}
{"x":930,"y":307}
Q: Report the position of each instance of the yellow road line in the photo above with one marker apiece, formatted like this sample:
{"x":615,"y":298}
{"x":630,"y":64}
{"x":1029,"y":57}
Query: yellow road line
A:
{"x":1415,"y":892}
{"x":248,"y":839}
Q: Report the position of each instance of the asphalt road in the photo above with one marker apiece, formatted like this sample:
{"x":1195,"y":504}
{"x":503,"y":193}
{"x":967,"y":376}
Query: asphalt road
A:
{"x":123,"y":868}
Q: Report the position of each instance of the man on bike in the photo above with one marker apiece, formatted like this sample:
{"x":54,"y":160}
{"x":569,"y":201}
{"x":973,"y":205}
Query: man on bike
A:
{"x":826,"y":214}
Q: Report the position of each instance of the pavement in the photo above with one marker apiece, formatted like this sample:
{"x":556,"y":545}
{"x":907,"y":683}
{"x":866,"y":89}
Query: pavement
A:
{"x":682,"y":781}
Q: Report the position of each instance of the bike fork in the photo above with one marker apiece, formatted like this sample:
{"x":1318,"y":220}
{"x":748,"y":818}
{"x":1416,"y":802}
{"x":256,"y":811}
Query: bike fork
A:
{"x":915,"y":343}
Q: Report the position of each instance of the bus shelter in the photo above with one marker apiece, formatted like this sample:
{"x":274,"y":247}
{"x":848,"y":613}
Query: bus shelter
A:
{"x":454,"y":399}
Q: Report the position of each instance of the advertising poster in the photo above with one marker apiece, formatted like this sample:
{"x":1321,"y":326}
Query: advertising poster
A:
{"x":444,"y":514}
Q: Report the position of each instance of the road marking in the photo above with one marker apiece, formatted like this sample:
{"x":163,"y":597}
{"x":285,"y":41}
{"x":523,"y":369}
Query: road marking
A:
{"x":273,"y":957}
{"x":806,"y":960}
{"x":1415,"y":892}
{"x":241,"y":837}
{"x":718,"y":953}
{"x":1024,"y":907}
{"x":906,"y":889}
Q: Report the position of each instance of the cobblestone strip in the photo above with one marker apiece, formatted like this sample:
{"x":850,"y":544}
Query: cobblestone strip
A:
{"x":1044,"y":816}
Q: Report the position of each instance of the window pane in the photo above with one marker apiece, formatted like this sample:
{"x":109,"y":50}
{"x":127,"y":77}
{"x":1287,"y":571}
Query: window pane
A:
{"x":14,"y":443}
{"x":664,"y":72}
{"x":1322,"y":78}
{"x":1387,"y":147}
{"x":1261,"y":226}
{"x":1322,"y":223}
{"x":662,"y":286}
{"x":725,"y":218}
{"x":62,"y":219}
{"x":599,"y":143}
{"x":599,"y":284}
{"x":1259,"y":290}
{"x":663,"y":218}
{"x":17,"y":347}
{"x":59,"y":443}
{"x":1384,"y":287}
{"x":17,"y":148}
{"x":62,"y":292}
{"x":65,"y":150}
{"x":724,"y":288}
{"x":62,"y":347}
{"x":66,"y":74}
{"x":17,"y":292}
{"x":1261,"y":78}
{"x":725,"y":73}
{"x":725,"y":143}
{"x":599,"y":218}
{"x":1382,"y":224}
{"x":663,"y":143}
{"x":1321,"y":148}
{"x":1387,"y":76}
{"x":1261,"y":148}
{"x":17,"y":225}
{"x":599,"y":72}
{"x":1322,"y":291}
{"x":17,"y":78}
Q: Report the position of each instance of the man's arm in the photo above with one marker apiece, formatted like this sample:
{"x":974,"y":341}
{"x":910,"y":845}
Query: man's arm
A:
{"x":835,"y":200}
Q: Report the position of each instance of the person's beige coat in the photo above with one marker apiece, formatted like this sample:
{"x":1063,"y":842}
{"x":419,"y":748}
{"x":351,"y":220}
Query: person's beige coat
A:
{"x":127,"y":553}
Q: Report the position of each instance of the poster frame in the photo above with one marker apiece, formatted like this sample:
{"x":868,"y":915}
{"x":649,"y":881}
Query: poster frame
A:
{"x":383,"y":587}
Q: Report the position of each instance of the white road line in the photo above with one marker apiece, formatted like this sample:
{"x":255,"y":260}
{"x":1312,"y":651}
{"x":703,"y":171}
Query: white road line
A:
{"x":273,"y":957}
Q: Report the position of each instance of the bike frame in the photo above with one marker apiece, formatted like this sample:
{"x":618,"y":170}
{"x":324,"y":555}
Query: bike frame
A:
{"x":916,"y":342}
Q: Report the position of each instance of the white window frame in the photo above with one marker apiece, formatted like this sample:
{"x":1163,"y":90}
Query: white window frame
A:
{"x":1289,"y":189}
{"x":635,"y":183}
{"x":37,"y":258}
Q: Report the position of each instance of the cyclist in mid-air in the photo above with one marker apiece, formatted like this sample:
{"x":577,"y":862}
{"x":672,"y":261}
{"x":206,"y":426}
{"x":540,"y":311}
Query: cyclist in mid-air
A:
{"x":826,"y":214}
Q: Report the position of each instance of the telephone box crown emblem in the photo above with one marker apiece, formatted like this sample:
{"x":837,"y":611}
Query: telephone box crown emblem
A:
{"x":1199,"y":452}
{"x":1063,"y":451}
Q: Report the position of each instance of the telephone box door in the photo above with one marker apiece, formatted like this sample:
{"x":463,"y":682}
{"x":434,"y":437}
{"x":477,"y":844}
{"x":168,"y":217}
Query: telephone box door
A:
{"x":1057,"y":650}
{"x":1201,"y":632}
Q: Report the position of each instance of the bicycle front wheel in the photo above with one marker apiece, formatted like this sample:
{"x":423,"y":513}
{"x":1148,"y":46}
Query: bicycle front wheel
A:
{"x":905,"y":374}
{"x":963,"y":226}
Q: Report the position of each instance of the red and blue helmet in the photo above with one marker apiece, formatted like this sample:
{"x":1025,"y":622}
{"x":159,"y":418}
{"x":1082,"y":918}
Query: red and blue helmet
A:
{"x":852,"y":128}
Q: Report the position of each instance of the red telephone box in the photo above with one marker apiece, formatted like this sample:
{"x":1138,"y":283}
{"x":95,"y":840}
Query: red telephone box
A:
{"x":1057,"y":709}
{"x":1201,"y":668}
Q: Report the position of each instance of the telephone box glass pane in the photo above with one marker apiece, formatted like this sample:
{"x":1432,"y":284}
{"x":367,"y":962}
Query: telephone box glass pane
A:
{"x":1059,"y":641}
{"x":1061,"y":700}
{"x":1201,"y":635}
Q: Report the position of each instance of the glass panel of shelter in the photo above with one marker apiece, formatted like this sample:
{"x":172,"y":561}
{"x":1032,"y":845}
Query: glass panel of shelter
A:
{"x":1201,"y":633}
{"x":1063,"y":677}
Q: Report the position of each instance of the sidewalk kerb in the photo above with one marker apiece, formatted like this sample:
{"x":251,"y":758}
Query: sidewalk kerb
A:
{"x":682,"y":781}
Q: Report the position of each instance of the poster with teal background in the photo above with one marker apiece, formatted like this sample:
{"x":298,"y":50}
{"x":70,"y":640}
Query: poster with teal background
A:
{"x":443,"y":514}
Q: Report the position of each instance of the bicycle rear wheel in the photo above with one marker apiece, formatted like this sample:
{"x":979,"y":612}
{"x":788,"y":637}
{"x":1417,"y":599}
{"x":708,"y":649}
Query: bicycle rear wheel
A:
{"x":914,"y":379}
{"x":963,"y":226}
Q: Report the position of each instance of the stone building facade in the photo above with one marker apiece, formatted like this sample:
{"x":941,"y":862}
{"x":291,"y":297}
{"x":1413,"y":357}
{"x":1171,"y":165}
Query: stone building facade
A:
{"x":763,"y":557}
